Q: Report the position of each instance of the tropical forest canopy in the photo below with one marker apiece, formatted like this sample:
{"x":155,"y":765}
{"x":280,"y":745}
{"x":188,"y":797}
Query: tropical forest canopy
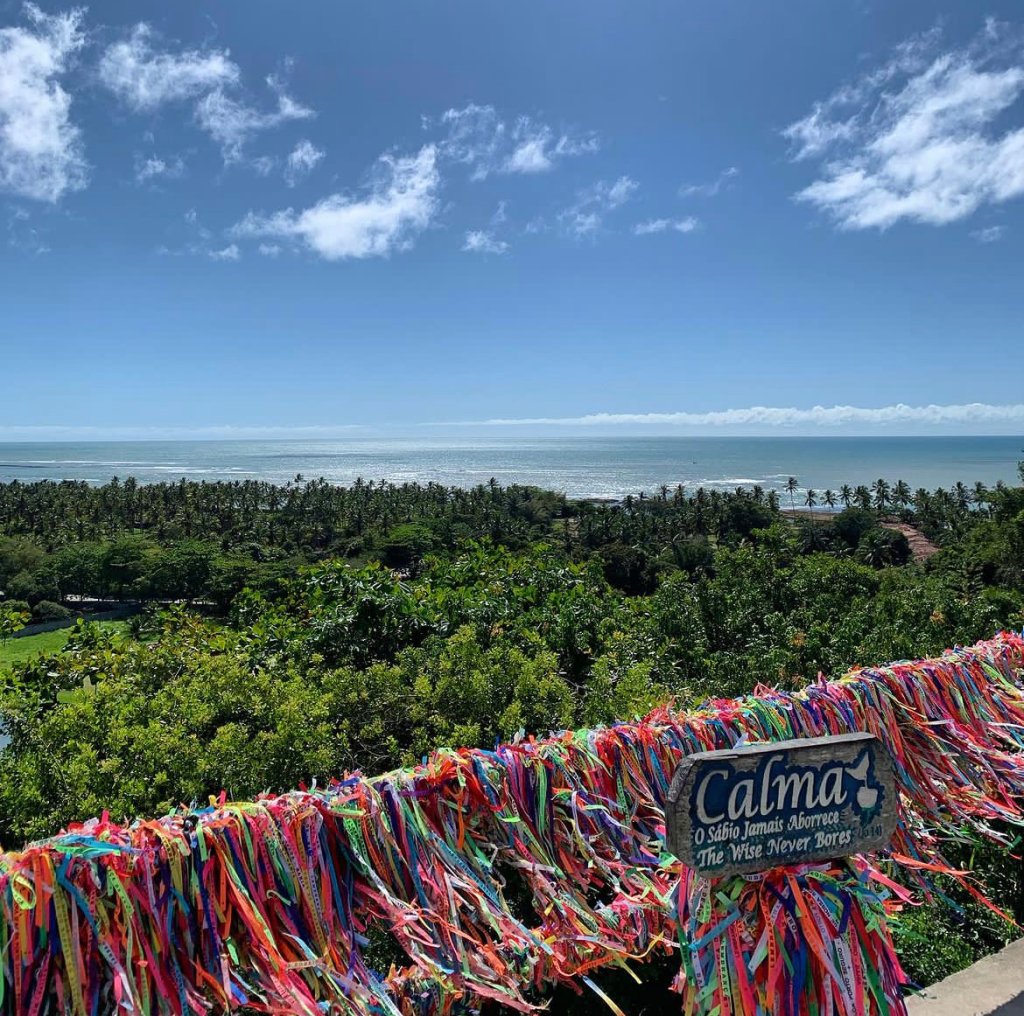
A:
{"x":294,"y":632}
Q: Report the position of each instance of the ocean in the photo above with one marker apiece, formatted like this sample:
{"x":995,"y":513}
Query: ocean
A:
{"x":596,"y":467}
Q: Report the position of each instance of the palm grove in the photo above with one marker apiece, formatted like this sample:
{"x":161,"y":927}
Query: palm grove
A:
{"x":301,"y":630}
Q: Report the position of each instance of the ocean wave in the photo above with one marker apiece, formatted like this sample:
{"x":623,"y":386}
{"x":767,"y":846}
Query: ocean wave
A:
{"x":720,"y":482}
{"x":81,"y":462}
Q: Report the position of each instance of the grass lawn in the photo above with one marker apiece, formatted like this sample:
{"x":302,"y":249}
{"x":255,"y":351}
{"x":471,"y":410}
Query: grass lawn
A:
{"x":19,"y":650}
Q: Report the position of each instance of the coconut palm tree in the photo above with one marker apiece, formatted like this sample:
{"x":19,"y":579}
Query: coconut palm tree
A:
{"x":846,"y":495}
{"x":901,"y":494}
{"x":829,"y":499}
{"x":880,"y":488}
{"x":874,"y":551}
{"x":791,"y":486}
{"x":811,"y":498}
{"x":980,"y":494}
{"x":812,"y":537}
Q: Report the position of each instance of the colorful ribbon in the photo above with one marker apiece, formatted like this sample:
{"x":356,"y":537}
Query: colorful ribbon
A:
{"x":497,"y":873}
{"x":797,"y":940}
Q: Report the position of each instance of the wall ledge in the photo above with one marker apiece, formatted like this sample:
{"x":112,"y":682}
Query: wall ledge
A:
{"x":994,"y":986}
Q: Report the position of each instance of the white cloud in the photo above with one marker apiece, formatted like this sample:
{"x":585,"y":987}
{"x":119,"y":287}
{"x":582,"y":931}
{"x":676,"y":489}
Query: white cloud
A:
{"x":200,"y":242}
{"x":145,"y":79}
{"x":41,"y":152}
{"x":400,"y":203}
{"x":263,"y":164}
{"x":816,"y":133}
{"x":302,"y":160}
{"x":269,"y":250}
{"x":23,"y":233}
{"x":230,"y":122}
{"x":709,"y":190}
{"x":649,"y":226}
{"x":479,"y":241}
{"x":989,"y":235}
{"x":618,"y":193}
{"x":474,"y":136}
{"x":500,"y":214}
{"x":478,"y":137}
{"x":586,"y":215}
{"x":817,"y":416}
{"x":923,"y":138}
{"x":530,"y":156}
{"x":152,"y":167}
{"x":537,"y":148}
{"x":834,"y":119}
{"x":229,"y":253}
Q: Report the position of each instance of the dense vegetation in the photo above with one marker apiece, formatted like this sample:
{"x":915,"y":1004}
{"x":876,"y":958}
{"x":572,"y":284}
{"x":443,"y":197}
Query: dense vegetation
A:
{"x":206,"y":541}
{"x":60,"y":542}
{"x":361,"y":627}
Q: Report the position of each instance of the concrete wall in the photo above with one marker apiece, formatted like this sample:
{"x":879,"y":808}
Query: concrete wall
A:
{"x":994,"y":986}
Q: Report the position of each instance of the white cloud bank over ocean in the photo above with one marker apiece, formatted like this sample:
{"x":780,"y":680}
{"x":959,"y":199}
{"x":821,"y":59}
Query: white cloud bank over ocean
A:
{"x":976,"y":418}
{"x":949,"y":418}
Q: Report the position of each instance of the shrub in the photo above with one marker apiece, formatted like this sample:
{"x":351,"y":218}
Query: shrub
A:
{"x":406,"y":544}
{"x":47,"y":610}
{"x":850,"y":525}
{"x":879,"y":547}
{"x":11,"y":621}
{"x":31,"y":587}
{"x":629,"y":568}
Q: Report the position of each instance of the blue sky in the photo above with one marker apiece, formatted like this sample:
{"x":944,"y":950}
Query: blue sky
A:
{"x":238,"y":218}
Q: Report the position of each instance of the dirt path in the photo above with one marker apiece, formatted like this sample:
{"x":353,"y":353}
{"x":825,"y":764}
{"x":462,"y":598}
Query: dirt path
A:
{"x":920,"y":546}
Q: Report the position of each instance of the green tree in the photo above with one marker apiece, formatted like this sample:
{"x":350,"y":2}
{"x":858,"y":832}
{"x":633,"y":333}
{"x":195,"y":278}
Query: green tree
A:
{"x":19,"y":554}
{"x":880,"y":489}
{"x":980,"y":495}
{"x":406,"y":544}
{"x":791,"y":488}
{"x":31,"y":586}
{"x":183,"y":571}
{"x":879,"y":547}
{"x":76,"y":569}
{"x":124,"y":563}
{"x":12,"y":620}
{"x":852,"y":523}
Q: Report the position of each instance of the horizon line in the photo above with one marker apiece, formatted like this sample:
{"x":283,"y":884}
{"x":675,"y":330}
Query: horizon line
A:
{"x":936,"y":420}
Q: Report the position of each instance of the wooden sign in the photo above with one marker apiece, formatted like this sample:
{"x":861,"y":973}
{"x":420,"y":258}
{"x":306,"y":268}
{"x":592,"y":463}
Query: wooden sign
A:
{"x":749,"y":809}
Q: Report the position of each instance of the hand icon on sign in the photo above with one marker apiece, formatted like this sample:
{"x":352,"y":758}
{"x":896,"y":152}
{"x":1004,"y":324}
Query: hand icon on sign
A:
{"x":867,"y":797}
